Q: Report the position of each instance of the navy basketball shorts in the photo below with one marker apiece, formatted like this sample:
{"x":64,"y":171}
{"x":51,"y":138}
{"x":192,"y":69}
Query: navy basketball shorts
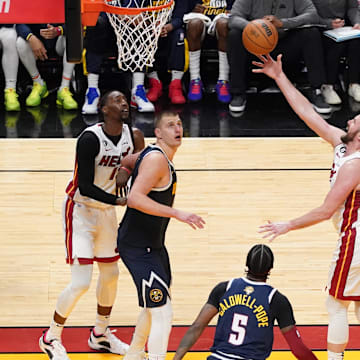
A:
{"x":150,"y":270}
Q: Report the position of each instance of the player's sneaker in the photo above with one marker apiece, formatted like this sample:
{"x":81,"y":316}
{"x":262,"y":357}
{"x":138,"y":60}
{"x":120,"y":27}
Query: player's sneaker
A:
{"x":354,"y":91}
{"x":92,"y":98}
{"x":107,"y":342}
{"x":155,"y":90}
{"x":318,"y":102}
{"x":140,"y":101}
{"x":11,"y":100}
{"x":65,"y":99}
{"x":175,"y":92}
{"x":38,"y":92}
{"x":53,"y":348}
{"x":195,"y":90}
{"x":238,"y":103}
{"x":330,"y":95}
{"x":223,"y":92}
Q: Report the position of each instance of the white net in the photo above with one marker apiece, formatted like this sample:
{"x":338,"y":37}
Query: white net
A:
{"x":138,"y":35}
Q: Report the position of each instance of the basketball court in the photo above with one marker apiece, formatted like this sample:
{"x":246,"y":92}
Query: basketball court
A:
{"x":235,"y":185}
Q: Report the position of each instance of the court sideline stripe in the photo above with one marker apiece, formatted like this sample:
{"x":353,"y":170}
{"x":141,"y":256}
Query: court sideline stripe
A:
{"x":178,"y":170}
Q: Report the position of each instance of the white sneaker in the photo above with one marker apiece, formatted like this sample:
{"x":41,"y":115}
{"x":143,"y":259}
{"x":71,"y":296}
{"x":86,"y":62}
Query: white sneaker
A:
{"x":107,"y":342}
{"x":330,"y":95}
{"x":140,"y":355}
{"x":354,"y":91}
{"x":54,"y":348}
{"x":92,"y":98}
{"x":140,"y":101}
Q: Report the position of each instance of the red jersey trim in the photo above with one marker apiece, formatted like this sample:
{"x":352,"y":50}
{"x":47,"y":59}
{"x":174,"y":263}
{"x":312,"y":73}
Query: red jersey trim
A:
{"x":343,"y":263}
{"x":73,"y":185}
{"x":69,"y":210}
{"x":86,"y":261}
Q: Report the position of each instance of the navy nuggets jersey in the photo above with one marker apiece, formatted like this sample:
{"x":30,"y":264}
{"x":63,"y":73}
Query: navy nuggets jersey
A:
{"x":245,"y":326}
{"x":138,"y":229}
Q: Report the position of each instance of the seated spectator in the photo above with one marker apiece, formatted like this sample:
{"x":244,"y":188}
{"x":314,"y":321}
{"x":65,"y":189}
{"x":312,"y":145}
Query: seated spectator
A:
{"x":211,"y":17}
{"x":33,"y":43}
{"x":296,"y":41}
{"x":171,"y":43}
{"x":332,"y":15}
{"x":99,"y":41}
{"x":10,"y":64}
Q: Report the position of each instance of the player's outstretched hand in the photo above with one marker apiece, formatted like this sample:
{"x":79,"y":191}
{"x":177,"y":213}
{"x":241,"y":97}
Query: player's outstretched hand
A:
{"x":268,"y":66}
{"x":272,"y":230}
{"x":193,"y":220}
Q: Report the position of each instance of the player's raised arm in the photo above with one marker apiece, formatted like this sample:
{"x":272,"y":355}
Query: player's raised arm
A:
{"x":297,"y":101}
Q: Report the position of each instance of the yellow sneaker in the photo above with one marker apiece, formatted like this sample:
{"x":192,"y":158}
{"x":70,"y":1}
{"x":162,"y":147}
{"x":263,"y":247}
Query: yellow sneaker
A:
{"x":38,"y":113}
{"x":66,"y":100}
{"x":11,"y":100}
{"x":38,"y":92}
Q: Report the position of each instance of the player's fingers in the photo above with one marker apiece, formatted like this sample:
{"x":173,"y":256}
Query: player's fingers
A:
{"x":192,"y":225}
{"x":257,"y":63}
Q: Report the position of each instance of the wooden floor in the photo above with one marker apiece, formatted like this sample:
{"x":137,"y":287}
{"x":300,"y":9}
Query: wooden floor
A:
{"x":235,"y":184}
{"x":276,"y":355}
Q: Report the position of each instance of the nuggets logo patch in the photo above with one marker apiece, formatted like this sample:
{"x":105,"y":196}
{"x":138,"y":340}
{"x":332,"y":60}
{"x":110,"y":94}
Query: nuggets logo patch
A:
{"x":156,"y":295}
{"x":248,"y":290}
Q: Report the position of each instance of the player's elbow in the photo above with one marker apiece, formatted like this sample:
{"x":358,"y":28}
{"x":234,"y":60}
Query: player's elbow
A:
{"x":133,"y":201}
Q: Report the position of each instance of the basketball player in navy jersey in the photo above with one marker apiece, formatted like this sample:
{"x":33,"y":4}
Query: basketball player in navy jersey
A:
{"x":141,"y":236}
{"x":90,"y":224}
{"x":247,"y":308}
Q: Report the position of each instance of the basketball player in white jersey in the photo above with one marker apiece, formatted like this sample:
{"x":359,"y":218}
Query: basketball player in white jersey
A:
{"x":90,"y":224}
{"x":342,"y":203}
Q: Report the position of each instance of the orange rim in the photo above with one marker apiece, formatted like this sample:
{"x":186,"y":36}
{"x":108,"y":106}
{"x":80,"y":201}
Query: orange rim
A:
{"x":96,"y":6}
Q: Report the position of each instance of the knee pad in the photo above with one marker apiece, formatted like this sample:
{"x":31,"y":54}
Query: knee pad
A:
{"x":7,"y":35}
{"x":80,"y":283}
{"x":60,"y":45}
{"x":107,"y":283}
{"x":338,"y":329}
{"x":161,"y":319}
{"x":22,"y":45}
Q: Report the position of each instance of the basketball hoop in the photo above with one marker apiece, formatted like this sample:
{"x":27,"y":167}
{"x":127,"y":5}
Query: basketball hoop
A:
{"x":137,"y":28}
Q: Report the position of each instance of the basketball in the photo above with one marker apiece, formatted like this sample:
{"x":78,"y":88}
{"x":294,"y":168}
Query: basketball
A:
{"x":260,"y":37}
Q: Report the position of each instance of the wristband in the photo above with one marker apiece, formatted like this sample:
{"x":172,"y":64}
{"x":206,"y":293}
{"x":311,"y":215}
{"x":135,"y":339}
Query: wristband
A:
{"x":126,"y":169}
{"x":58,"y":30}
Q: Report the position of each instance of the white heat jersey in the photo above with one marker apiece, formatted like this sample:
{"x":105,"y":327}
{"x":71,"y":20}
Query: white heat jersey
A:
{"x":344,"y":274}
{"x":107,"y":163}
{"x":339,"y":160}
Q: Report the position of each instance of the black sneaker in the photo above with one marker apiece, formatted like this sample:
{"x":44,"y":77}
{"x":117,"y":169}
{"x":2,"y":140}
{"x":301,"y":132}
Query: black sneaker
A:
{"x":237,"y":103}
{"x":318,"y":102}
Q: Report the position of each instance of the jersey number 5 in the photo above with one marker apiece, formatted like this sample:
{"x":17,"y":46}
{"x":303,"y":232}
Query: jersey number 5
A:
{"x":238,"y":328}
